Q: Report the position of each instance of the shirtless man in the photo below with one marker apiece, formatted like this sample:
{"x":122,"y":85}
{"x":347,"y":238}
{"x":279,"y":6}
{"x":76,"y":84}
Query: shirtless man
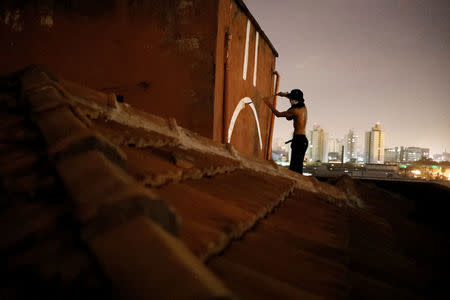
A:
{"x":299,"y":114}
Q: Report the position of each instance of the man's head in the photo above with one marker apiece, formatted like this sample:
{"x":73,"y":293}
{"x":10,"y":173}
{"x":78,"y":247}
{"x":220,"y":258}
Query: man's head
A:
{"x":295,"y":97}
{"x":295,"y":94}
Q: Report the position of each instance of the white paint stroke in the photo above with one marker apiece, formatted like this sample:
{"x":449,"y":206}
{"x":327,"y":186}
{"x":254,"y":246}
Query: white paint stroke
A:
{"x":247,"y":41}
{"x":240,"y":106}
{"x":255,"y":69}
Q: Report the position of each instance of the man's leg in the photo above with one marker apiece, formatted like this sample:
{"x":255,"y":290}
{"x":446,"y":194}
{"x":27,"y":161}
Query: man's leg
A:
{"x":296,"y":164}
{"x":303,"y":145}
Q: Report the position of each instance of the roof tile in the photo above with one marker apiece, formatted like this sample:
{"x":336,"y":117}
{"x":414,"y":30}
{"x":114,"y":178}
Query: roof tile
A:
{"x":198,"y":164}
{"x":8,"y":101}
{"x":256,"y":192}
{"x":86,"y":93}
{"x":59,"y":124}
{"x":207,"y":222}
{"x":372,"y":241}
{"x":122,"y":135}
{"x":157,"y":166}
{"x":321,"y":222}
{"x":365,"y":287}
{"x":34,"y":77}
{"x":96,"y":184}
{"x":48,"y":97}
{"x":86,"y":140}
{"x":202,"y":239}
{"x":18,"y":134}
{"x":19,"y":161}
{"x":227,"y":204}
{"x":57,"y":255}
{"x":147,"y":263}
{"x":29,"y":183}
{"x":24,"y":219}
{"x":250,"y":284}
{"x":8,"y":120}
{"x":284,"y":235}
{"x":150,"y":168}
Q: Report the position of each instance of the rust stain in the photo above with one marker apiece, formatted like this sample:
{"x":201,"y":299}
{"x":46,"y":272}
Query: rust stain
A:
{"x":188,"y":44}
{"x":47,"y":21}
{"x":14,"y":20}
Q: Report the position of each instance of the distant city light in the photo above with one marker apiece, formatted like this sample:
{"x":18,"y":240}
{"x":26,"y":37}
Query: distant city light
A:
{"x":326,"y":156}
{"x":416,"y":172}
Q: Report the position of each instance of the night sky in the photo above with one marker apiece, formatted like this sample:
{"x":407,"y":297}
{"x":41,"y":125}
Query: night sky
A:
{"x":359,"y":62}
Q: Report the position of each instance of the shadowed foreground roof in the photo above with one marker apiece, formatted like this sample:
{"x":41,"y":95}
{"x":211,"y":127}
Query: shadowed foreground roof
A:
{"x":99,"y":199}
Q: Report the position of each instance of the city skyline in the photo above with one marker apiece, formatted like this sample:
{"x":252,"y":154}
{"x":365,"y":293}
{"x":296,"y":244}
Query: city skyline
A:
{"x":362,"y":62}
{"x":279,"y":142}
{"x":322,"y":144}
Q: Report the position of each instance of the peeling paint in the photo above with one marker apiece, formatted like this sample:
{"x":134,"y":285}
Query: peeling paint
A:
{"x":7,"y":16}
{"x":185,"y":9}
{"x":14,"y":19}
{"x":185,"y":4}
{"x":17,"y":21}
{"x":188,"y":44}
{"x":47,"y":21}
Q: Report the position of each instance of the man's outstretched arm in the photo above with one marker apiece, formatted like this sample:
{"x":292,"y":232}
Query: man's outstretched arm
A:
{"x":287,"y":113}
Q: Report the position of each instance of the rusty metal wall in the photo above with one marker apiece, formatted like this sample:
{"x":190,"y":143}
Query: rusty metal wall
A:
{"x":245,"y":136}
{"x":160,"y":55}
{"x":165,"y":57}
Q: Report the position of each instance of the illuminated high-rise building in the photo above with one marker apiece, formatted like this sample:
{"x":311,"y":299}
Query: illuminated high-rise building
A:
{"x":374,"y":145}
{"x":334,"y":144}
{"x":445,"y":156}
{"x":280,"y":145}
{"x":350,"y":144}
{"x":317,"y":150}
{"x":442,"y":157}
{"x":334,"y":149}
{"x":393,"y":154}
{"x":412,"y":154}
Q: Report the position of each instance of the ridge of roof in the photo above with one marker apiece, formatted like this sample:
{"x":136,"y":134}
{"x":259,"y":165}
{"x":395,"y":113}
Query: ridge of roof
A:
{"x":143,"y":130}
{"x":70,"y":141}
{"x":100,"y":147}
{"x":231,"y":205}
{"x":174,"y":135}
{"x":139,"y":124}
{"x":98,"y":107}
